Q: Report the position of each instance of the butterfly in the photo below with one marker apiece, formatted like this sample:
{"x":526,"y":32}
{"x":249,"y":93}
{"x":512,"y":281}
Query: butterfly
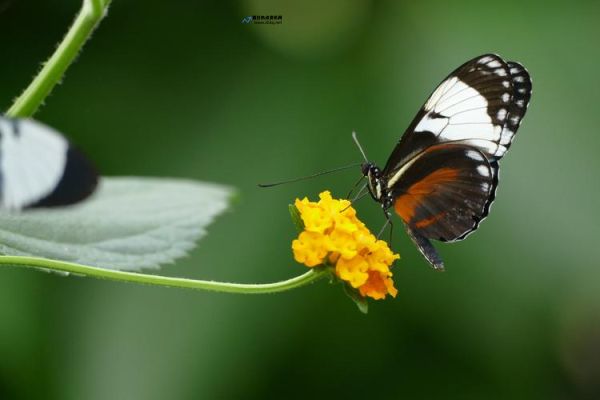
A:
{"x":441,"y":177}
{"x":40,"y":168}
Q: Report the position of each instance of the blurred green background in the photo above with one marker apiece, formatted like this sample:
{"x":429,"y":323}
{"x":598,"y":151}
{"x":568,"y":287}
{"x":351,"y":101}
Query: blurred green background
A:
{"x":182,"y":88}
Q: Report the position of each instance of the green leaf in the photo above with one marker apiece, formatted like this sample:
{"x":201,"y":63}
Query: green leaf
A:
{"x":128,"y":224}
{"x":296,"y":218}
{"x":361,"y":302}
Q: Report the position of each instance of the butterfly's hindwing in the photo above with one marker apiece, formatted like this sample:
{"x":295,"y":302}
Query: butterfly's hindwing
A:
{"x":426,"y":248}
{"x":445,"y":192}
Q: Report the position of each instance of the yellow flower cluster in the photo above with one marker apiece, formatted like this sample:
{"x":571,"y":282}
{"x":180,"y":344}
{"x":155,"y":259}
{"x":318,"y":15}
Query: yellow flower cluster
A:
{"x":333,"y":232}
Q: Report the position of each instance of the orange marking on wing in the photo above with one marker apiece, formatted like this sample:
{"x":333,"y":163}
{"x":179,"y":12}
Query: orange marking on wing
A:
{"x":428,"y":221}
{"x":427,"y":184}
{"x":406,"y":204}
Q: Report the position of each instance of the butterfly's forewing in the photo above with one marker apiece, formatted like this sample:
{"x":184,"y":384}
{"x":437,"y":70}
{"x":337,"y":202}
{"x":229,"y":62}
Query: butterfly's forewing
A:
{"x":480,"y":104}
{"x":40,"y":168}
{"x":521,"y":82}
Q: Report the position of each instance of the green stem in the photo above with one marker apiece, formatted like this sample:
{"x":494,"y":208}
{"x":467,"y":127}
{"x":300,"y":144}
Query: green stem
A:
{"x":157,"y":280}
{"x":91,"y":13}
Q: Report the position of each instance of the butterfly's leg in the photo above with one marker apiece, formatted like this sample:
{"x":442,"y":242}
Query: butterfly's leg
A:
{"x":383,"y":228}
{"x":389,"y":218}
{"x":360,"y":195}
{"x":388,"y":221}
{"x":354,"y":187}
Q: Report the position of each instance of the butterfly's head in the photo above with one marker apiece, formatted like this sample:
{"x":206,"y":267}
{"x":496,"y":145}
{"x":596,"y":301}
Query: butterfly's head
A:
{"x":366,"y":167}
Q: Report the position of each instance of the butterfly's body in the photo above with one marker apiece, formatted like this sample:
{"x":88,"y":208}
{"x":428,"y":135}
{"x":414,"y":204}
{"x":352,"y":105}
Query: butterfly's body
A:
{"x":442,"y":176}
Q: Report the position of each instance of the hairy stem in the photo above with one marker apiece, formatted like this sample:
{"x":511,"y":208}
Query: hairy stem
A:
{"x":90,"y":15}
{"x":157,"y":280}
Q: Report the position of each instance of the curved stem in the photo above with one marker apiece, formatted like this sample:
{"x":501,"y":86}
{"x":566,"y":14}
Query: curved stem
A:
{"x":157,"y":280}
{"x":92,"y":11}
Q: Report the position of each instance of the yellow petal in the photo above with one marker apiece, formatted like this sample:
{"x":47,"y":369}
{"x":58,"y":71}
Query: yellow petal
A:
{"x":353,"y":271}
{"x":310,"y":248}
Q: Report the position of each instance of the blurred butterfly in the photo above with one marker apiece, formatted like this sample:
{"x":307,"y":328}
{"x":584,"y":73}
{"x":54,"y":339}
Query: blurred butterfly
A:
{"x":441,"y":177}
{"x":40,"y":168}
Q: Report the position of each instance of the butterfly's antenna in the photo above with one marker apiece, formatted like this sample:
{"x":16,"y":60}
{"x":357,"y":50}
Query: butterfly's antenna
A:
{"x":359,"y":146}
{"x":264,"y":185}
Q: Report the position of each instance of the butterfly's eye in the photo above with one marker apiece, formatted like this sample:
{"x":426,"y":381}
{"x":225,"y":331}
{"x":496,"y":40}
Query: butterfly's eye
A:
{"x":365,"y":167}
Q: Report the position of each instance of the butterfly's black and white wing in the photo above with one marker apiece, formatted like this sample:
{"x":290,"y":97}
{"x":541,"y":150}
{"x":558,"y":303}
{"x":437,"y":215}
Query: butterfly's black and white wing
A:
{"x":40,"y":168}
{"x":444,"y":171}
{"x":480,"y":104}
